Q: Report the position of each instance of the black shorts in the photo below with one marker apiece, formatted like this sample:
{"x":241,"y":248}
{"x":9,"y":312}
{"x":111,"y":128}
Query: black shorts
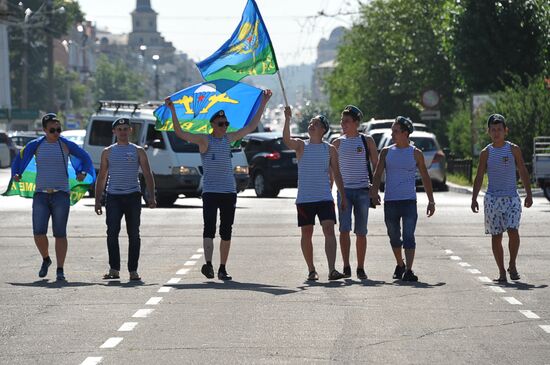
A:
{"x":308,"y":211}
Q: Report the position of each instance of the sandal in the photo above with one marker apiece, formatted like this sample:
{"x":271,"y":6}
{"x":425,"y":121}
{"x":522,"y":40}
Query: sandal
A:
{"x":134,"y":276}
{"x":514,"y":275}
{"x":112,"y":274}
{"x":501,"y":279}
{"x":335,"y":275}
{"x":313,"y":276}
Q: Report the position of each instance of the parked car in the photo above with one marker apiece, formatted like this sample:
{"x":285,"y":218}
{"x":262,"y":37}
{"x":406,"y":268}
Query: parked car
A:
{"x":433,"y":156}
{"x":20,"y":139}
{"x":377,"y":135}
{"x":541,"y":163}
{"x":272,"y":165}
{"x":75,"y":135}
{"x":6,"y":154}
{"x":374,"y":124}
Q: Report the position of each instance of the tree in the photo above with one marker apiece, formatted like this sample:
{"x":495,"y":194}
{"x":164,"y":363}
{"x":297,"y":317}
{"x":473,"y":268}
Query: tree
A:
{"x":391,"y":55}
{"x":114,"y":80}
{"x":40,"y":24}
{"x":495,"y":40}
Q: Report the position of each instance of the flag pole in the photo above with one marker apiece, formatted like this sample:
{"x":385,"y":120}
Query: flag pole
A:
{"x":282,"y":87}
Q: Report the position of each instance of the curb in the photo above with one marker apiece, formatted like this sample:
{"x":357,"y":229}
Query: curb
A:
{"x":461,"y":189}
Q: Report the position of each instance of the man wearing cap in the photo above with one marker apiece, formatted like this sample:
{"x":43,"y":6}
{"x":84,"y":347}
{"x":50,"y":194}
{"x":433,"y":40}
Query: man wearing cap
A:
{"x":316,"y":161}
{"x":119,"y":169}
{"x":502,"y":204}
{"x":218,"y":190}
{"x":400,"y":161}
{"x":355,"y":154}
{"x":52,"y":192}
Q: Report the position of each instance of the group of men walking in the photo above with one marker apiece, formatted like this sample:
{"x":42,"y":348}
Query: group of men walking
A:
{"x":348,"y":163}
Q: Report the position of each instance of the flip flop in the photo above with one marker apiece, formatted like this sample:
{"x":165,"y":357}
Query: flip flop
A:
{"x":313,"y":276}
{"x":514,"y":275}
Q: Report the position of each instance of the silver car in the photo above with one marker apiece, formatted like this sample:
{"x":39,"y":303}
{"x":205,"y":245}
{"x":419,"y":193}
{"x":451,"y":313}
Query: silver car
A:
{"x":433,"y":156}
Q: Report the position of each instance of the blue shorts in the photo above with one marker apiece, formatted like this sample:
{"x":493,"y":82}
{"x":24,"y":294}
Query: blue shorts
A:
{"x":395,"y":212}
{"x":308,"y":211}
{"x":56,"y":205}
{"x":359,"y":200}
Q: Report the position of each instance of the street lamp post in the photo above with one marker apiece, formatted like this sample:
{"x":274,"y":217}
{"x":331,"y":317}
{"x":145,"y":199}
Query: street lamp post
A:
{"x":156,"y":58}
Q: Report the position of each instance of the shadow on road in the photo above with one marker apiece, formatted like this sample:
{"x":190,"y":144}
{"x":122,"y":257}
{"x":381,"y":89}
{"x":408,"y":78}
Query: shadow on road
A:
{"x":418,"y":284}
{"x":520,"y":285}
{"x":338,"y":283}
{"x":235,"y":285}
{"x":54,"y":284}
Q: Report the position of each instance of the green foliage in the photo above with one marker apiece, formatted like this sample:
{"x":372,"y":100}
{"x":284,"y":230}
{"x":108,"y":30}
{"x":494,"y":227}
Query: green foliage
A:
{"x":460,"y":133}
{"x":395,"y":51}
{"x":497,"y":39}
{"x":310,"y":110}
{"x":114,"y":80}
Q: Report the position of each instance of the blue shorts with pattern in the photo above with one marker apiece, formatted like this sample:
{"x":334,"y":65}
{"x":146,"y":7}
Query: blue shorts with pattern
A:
{"x":501,"y":213}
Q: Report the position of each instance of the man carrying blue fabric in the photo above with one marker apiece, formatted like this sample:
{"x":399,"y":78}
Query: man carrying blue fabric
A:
{"x":52,"y":193}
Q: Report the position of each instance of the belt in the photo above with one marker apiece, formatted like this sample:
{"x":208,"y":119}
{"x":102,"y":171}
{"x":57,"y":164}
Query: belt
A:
{"x":50,"y":191}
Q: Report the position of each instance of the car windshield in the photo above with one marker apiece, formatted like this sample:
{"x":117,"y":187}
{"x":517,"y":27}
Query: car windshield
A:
{"x":22,"y":140}
{"x":424,"y":143}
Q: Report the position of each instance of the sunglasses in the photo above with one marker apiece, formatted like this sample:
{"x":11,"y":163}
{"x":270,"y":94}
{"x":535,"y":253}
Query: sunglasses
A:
{"x":223,"y":124}
{"x":53,"y":130}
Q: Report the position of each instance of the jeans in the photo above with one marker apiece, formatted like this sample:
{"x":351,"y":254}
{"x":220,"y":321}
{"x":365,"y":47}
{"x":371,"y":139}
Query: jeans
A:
{"x":226,"y":203}
{"x":359,"y":200}
{"x":56,"y":205}
{"x":395,"y":212}
{"x":129,"y":206}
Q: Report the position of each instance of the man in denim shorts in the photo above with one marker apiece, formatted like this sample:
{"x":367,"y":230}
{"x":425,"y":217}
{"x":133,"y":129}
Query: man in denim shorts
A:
{"x":52,"y":193}
{"x":354,"y":152}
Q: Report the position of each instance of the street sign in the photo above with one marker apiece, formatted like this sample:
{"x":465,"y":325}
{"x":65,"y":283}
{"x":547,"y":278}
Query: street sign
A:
{"x":430,"y":115}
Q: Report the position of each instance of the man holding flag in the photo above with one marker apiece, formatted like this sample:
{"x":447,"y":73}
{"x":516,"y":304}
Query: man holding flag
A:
{"x":218,"y":191}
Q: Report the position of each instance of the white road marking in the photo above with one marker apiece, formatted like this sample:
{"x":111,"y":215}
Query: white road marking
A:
{"x":182,"y":271}
{"x":154,"y":301}
{"x":455,"y":258}
{"x":448,"y":252}
{"x":127,"y":326}
{"x":173,"y":281}
{"x":201,"y":250}
{"x":497,"y":289}
{"x":529,"y":314}
{"x":142,"y":313}
{"x":92,"y":361}
{"x":484,"y":279}
{"x":190,"y":263}
{"x":111,"y":342}
{"x":464,"y":264}
{"x":545,"y":327}
{"x":164,"y":289}
{"x":474,"y":271}
{"x":196,"y":257}
{"x":512,"y":300}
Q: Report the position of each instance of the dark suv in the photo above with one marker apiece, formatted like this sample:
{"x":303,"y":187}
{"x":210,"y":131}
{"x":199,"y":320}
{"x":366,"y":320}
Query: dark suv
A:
{"x":272,"y":165}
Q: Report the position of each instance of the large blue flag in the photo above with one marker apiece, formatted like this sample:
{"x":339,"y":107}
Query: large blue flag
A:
{"x":195,"y":105}
{"x":248,"y":52}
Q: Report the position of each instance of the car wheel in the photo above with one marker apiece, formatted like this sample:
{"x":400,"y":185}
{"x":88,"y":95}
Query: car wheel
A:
{"x":166,"y":200}
{"x":260,"y":186}
{"x":546,"y":191}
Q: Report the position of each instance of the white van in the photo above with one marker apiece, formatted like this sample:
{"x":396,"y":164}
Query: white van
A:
{"x":176,"y":164}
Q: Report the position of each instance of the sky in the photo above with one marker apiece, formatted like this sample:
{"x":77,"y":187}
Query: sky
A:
{"x":199,"y":27}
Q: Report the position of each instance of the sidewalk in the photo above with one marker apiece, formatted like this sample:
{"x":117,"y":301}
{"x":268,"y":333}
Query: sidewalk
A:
{"x":464,"y":189}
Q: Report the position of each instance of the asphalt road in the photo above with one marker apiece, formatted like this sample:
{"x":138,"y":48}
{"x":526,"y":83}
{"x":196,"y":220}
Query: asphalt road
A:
{"x":269,"y":314}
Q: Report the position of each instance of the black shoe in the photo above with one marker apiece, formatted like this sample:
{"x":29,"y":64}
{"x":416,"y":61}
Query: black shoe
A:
{"x":44,"y":268}
{"x":60,"y":276}
{"x":398,"y":273}
{"x":335,"y":275}
{"x":514,"y":275}
{"x":361,"y":274}
{"x":410,"y":276}
{"x":313,"y":276}
{"x":208,"y":271}
{"x":222,"y":275}
{"x":347,"y":272}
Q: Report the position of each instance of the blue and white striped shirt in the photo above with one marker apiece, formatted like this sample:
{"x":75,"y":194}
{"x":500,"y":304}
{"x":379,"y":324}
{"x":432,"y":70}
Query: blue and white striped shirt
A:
{"x":400,"y":174}
{"x":501,"y":171}
{"x":123,"y":175}
{"x":313,"y":174}
{"x":217,"y":167}
{"x":352,"y":159}
{"x":51,"y":167}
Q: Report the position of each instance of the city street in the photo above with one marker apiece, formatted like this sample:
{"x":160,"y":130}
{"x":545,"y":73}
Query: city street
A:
{"x":455,"y":314}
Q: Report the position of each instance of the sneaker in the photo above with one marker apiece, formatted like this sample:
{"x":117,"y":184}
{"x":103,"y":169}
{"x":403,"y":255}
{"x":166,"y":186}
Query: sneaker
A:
{"x":361,"y":274}
{"x":44,"y":268}
{"x":313,"y":276}
{"x":208,"y":271}
{"x":410,"y":276}
{"x":347,"y":272}
{"x":335,"y":275}
{"x":398,"y":273}
{"x":60,"y":276}
{"x":112,"y":274}
{"x":134,"y":275}
{"x":222,"y":275}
